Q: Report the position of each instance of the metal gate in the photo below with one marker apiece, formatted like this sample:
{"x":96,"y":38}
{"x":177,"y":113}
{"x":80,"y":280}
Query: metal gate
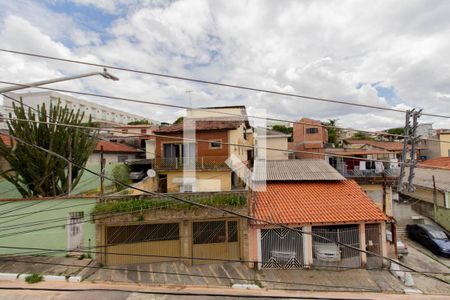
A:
{"x":373,"y":244}
{"x":330,"y":254}
{"x":281,"y":248}
{"x":144,"y":243}
{"x":215,"y":240}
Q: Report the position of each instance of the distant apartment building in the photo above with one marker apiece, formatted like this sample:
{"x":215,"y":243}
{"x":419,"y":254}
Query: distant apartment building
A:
{"x":309,"y":136}
{"x":99,"y":113}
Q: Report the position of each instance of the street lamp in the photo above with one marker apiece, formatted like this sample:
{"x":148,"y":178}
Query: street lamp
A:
{"x":16,"y":87}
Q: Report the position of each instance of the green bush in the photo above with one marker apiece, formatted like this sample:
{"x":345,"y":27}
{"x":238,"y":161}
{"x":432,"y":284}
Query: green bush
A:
{"x":121,"y":173}
{"x":139,"y":205}
{"x":35,"y":278}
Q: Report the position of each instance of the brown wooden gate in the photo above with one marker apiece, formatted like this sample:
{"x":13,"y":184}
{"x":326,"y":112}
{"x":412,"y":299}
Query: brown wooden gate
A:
{"x":143,"y":243}
{"x":215,"y":240}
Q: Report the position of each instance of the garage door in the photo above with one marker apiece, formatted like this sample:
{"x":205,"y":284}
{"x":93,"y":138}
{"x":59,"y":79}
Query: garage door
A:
{"x":142,"y":243}
{"x":215,"y":240}
{"x":281,"y":248}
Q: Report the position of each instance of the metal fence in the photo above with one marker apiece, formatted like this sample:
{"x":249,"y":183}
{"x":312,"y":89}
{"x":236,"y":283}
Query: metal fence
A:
{"x":281,"y":248}
{"x":330,"y":254}
{"x":373,"y":244}
{"x":200,"y":162}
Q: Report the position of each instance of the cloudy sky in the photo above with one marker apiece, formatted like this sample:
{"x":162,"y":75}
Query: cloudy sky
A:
{"x":386,"y":53}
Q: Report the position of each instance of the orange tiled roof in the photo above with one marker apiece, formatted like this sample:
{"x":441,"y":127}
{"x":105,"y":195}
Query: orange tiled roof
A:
{"x":115,"y":147}
{"x":438,"y":162}
{"x":389,"y":146}
{"x":316,"y":202}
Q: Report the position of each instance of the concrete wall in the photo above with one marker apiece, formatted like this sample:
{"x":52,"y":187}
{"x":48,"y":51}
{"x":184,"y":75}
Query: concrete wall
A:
{"x":426,"y":195}
{"x":440,"y":215}
{"x":185,"y":218}
{"x":438,"y":149}
{"x":110,"y":158}
{"x":275,"y":143}
{"x":205,"y":181}
{"x":216,"y":113}
{"x":376,"y":193}
{"x":47,"y":220}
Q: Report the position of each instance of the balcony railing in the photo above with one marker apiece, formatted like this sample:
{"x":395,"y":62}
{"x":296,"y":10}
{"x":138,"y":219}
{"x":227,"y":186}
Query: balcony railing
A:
{"x":370,"y":173}
{"x":191,"y":163}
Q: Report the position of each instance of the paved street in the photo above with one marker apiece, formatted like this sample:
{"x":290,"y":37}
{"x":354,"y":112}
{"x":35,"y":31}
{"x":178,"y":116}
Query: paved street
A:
{"x":87,"y":291}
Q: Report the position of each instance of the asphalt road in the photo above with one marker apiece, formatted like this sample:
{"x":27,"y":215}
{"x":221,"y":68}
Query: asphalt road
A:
{"x":422,"y":259}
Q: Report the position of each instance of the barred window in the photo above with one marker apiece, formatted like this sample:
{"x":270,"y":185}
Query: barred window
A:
{"x":215,"y":232}
{"x":312,"y":130}
{"x":209,"y":232}
{"x":142,"y":233}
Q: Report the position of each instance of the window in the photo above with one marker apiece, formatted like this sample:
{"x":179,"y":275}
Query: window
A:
{"x":312,"y":130}
{"x":215,"y":144}
{"x":122,"y":158}
{"x":215,"y":232}
{"x":142,"y":233}
{"x":143,"y":130}
{"x":209,"y":232}
{"x":187,"y":188}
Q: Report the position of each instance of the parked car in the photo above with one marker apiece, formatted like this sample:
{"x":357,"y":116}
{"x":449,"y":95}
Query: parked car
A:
{"x":137,"y":176}
{"x":327,"y":252}
{"x":402,"y":248}
{"x":432,"y":237}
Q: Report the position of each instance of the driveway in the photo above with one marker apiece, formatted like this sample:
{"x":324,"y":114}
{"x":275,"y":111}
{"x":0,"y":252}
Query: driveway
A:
{"x":422,"y":259}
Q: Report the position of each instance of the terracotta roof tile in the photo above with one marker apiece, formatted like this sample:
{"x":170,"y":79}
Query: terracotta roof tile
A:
{"x":315,"y":202}
{"x":5,"y":139}
{"x":115,"y":147}
{"x":389,"y":146}
{"x":201,"y":126}
{"x":438,"y":162}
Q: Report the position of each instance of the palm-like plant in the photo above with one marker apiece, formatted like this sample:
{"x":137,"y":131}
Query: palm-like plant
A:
{"x":38,"y":173}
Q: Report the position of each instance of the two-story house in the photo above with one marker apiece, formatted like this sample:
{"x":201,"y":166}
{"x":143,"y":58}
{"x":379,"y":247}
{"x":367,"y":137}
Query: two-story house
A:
{"x":197,"y":162}
{"x":310,"y":136}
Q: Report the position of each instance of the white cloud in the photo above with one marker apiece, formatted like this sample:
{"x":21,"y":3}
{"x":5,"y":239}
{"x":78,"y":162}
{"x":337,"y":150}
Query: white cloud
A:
{"x":324,"y":49}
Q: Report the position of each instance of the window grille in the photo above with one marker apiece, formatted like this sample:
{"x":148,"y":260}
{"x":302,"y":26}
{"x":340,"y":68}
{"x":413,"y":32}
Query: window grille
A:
{"x":142,"y":233}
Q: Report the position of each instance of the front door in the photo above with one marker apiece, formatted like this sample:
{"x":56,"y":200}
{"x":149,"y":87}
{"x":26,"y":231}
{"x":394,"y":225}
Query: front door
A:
{"x":75,"y":231}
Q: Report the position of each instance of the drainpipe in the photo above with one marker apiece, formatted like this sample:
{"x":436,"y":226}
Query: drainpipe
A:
{"x":394,"y":237}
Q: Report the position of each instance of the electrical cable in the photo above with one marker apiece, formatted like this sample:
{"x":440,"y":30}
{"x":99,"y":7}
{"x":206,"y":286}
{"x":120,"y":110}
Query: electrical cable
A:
{"x":234,"y":86}
{"x":250,"y":218}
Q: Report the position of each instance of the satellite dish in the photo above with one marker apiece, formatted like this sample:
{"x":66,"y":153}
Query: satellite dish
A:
{"x":151,"y":173}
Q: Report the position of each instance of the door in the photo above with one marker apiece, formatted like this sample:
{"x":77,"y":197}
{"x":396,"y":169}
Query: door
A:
{"x":281,"y":248}
{"x":75,"y":231}
{"x":189,"y":154}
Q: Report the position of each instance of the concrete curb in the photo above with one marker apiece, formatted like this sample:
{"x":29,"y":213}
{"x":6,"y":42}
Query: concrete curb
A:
{"x":21,"y":277}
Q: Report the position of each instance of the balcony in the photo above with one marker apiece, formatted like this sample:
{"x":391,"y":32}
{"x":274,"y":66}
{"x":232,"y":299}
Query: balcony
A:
{"x":370,"y":173}
{"x":191,"y":163}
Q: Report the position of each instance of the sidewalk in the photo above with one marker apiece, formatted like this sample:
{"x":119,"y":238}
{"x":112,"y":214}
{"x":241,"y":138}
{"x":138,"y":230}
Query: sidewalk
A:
{"x":227,"y":274}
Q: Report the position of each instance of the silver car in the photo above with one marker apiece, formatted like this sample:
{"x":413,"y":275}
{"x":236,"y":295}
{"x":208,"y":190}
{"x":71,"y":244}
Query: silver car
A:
{"x":327,"y":252}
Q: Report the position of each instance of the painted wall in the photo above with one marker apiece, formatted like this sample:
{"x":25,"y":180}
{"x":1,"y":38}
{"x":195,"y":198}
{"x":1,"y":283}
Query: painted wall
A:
{"x":275,"y":143}
{"x":47,"y":220}
{"x":438,"y":149}
{"x":426,"y":194}
{"x":376,"y":193}
{"x":303,"y":141}
{"x":110,"y":158}
{"x":205,"y":181}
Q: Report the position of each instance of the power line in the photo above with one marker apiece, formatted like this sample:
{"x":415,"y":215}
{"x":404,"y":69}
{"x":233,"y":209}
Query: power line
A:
{"x":218,"y":142}
{"x":222,"y":210}
{"x":87,"y":250}
{"x":235,"y":86}
{"x":212,"y":111}
{"x":185,"y":274}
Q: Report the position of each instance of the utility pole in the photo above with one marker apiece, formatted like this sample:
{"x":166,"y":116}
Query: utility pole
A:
{"x":413,"y":156}
{"x":102,"y":171}
{"x":404,"y":151}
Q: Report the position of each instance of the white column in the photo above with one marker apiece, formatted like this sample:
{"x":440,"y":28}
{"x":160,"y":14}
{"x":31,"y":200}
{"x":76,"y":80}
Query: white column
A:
{"x":307,"y":246}
{"x":258,"y":243}
{"x":362,"y":243}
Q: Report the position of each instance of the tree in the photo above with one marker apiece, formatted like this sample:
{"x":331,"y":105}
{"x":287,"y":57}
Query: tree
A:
{"x":35,"y":172}
{"x":121,"y":173}
{"x":333,"y":132}
{"x":360,"y":135}
{"x":179,"y":120}
{"x":284,"y":129}
{"x":139,"y":122}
